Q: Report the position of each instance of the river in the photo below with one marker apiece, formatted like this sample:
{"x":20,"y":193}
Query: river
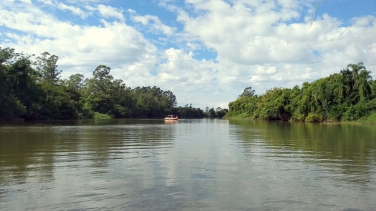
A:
{"x":198,"y":164}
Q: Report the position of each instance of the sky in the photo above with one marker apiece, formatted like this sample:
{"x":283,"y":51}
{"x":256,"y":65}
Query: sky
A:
{"x":204,"y":51}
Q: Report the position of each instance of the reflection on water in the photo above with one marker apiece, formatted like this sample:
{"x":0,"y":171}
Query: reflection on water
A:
{"x":330,"y":166}
{"x":338,"y":148}
{"x":202,"y":164}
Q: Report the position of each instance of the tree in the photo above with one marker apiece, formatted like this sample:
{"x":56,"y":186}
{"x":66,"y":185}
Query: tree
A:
{"x":348,"y":95}
{"x":363,"y":84}
{"x":46,"y":64}
{"x":373,"y":87}
{"x":248,"y":92}
{"x":75,"y":82}
{"x":219,"y":112}
{"x":10,"y":105}
{"x":212,"y":112}
{"x":102,"y":72}
{"x":321,"y":93}
{"x":6,"y":54}
{"x":96,"y":91}
{"x":40,"y":94}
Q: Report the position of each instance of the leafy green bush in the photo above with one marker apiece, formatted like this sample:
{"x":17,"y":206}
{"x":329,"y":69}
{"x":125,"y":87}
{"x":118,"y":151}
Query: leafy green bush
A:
{"x":101,"y":116}
{"x":121,"y":112}
{"x":357,"y":111}
{"x":336,"y":112}
{"x":312,"y":117}
{"x":11,"y":107}
{"x":371,"y":119}
{"x":86,"y":111}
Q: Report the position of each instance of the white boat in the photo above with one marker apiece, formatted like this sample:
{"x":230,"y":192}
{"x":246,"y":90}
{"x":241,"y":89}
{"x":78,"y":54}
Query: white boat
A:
{"x":171,"y":117}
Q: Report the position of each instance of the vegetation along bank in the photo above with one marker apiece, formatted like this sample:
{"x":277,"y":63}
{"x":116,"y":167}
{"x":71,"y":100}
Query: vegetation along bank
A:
{"x":349,"y":95}
{"x":31,"y":89}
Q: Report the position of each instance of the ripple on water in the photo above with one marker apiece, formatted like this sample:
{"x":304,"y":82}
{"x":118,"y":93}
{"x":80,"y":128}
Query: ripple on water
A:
{"x":194,"y":165}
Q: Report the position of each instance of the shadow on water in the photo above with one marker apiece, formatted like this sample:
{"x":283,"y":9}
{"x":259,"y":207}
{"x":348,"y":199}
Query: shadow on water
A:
{"x":30,"y":153}
{"x":338,"y":148}
{"x":25,"y":154}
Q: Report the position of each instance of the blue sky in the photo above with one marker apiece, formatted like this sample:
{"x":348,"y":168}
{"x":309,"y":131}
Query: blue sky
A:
{"x":205,"y":51}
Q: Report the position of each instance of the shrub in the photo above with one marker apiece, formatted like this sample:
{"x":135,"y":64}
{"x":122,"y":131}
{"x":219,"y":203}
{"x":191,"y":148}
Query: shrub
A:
{"x":101,"y":116}
{"x":312,"y":117}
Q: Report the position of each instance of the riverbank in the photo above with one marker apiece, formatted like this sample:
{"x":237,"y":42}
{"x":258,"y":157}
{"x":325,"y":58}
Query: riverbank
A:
{"x":11,"y":120}
{"x":367,"y":120}
{"x":21,"y":120}
{"x":101,"y":116}
{"x":370,"y":120}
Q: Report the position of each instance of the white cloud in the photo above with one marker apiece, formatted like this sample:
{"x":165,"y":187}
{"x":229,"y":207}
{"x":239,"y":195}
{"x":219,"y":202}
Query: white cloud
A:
{"x":25,"y":1}
{"x":155,"y":22}
{"x":193,"y":81}
{"x":263,"y":44}
{"x":74,"y":10}
{"x":364,"y":21}
{"x":46,"y":2}
{"x":80,"y":48}
{"x":110,"y":12}
{"x":168,"y":5}
{"x":250,"y":36}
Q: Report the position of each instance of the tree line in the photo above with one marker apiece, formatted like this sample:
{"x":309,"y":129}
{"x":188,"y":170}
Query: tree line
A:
{"x":32,"y":89}
{"x":349,"y":95}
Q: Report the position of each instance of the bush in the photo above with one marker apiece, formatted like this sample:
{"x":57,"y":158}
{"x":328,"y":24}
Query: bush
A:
{"x":101,"y":116}
{"x":371,"y":119}
{"x":336,"y":112}
{"x":357,"y":111}
{"x":86,"y":111}
{"x":312,"y":117}
{"x":121,"y":112}
{"x":11,"y":107}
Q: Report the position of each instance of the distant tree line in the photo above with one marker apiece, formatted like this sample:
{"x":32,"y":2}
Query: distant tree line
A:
{"x":346,"y":96}
{"x":215,"y":113}
{"x":31,"y":89}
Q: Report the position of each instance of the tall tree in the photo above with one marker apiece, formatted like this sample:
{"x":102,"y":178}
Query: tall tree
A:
{"x":248,"y":92}
{"x":355,"y":70}
{"x":75,"y":82}
{"x":363,"y":84}
{"x":102,"y":72}
{"x":10,"y":105}
{"x":97,"y":90}
{"x":46,"y":64}
{"x":341,"y":85}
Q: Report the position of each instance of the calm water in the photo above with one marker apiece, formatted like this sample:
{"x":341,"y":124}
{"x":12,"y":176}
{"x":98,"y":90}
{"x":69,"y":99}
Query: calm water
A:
{"x":190,"y":165}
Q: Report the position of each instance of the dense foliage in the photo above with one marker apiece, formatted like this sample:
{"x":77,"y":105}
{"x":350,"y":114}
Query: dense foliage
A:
{"x":345,"y":96}
{"x":32,"y":89}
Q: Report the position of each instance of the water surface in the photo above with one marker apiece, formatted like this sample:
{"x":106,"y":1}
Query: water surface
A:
{"x":205,"y":164}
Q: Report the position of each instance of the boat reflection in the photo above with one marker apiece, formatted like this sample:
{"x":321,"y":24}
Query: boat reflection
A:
{"x":170,"y":121}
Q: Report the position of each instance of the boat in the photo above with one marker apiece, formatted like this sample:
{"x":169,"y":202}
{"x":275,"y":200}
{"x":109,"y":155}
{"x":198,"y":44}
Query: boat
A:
{"x":171,"y":117}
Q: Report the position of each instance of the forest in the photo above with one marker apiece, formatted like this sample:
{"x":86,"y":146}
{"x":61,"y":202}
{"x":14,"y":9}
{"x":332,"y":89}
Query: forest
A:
{"x":31,"y":89}
{"x":349,"y":95}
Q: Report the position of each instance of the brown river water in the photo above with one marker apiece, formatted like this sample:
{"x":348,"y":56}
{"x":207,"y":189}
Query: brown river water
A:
{"x":204,"y":164}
